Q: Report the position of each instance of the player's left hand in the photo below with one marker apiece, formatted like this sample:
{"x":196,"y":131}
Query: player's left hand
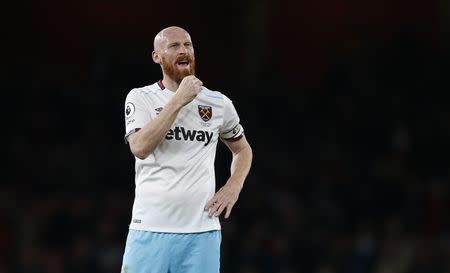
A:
{"x":225,"y":198}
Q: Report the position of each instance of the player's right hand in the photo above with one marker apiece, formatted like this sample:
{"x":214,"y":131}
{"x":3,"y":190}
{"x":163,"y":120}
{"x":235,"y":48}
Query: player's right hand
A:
{"x":189,"y":87}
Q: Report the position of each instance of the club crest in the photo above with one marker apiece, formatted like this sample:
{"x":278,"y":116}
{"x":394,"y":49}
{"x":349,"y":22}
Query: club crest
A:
{"x":205,"y":112}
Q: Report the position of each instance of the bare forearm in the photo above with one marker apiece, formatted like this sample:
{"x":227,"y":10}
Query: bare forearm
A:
{"x":240,"y":166}
{"x":227,"y":196}
{"x":148,"y":138}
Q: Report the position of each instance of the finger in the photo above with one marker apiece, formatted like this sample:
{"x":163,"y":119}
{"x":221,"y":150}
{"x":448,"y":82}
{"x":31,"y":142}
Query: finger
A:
{"x":214,"y":209}
{"x":199,"y":83}
{"x":228,"y":211}
{"x":210,"y":203}
{"x":219,"y":210}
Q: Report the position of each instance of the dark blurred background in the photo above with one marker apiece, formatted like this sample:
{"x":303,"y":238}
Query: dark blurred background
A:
{"x":344,"y":102}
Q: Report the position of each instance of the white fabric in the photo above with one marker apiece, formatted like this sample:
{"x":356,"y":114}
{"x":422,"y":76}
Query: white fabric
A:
{"x":174,"y":183}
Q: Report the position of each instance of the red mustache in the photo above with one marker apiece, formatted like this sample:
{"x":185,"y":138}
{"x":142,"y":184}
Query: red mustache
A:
{"x":187,"y":58}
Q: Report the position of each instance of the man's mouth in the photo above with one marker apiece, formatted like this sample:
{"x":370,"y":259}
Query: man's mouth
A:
{"x":183,"y":63}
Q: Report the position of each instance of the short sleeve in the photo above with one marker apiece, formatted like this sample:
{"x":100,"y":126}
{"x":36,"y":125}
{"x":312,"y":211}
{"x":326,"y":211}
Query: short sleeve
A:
{"x":136,"y":114}
{"x":231,"y":129}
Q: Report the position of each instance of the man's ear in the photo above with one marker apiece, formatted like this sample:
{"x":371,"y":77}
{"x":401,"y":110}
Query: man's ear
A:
{"x":155,"y":57}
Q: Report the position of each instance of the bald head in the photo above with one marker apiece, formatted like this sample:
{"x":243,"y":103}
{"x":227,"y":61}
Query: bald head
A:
{"x":174,"y":52}
{"x":164,"y":36}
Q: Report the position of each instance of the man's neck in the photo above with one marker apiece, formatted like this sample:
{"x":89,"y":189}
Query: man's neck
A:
{"x":170,"y":84}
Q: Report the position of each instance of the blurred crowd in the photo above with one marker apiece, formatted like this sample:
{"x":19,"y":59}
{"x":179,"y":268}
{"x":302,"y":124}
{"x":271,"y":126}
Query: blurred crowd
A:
{"x":351,"y":175}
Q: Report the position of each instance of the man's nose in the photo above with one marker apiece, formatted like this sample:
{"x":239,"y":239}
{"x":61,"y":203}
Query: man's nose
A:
{"x":183,"y":50}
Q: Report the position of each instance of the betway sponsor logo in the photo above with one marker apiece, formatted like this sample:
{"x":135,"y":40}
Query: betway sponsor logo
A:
{"x":180,"y":133}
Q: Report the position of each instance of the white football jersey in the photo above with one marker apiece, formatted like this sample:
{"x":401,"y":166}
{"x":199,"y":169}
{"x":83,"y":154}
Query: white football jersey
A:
{"x":174,"y":182}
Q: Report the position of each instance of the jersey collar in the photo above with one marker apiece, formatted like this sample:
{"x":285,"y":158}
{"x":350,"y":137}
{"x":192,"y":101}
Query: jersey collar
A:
{"x":161,"y":85}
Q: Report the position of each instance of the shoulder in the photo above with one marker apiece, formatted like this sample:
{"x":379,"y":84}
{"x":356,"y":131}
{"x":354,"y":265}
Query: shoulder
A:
{"x":144,"y":90}
{"x":212,"y":94}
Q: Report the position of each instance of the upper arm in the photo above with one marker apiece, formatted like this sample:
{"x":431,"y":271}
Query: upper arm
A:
{"x":232,"y":132}
{"x":137,"y":114}
{"x":131,"y":138}
{"x":231,"y":129}
{"x":237,"y":145}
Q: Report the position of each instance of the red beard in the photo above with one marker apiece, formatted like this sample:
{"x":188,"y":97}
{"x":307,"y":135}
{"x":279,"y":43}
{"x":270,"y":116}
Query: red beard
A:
{"x":172,"y":71}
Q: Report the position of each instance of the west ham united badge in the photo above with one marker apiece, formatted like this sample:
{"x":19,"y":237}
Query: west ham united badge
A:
{"x":205,"y":112}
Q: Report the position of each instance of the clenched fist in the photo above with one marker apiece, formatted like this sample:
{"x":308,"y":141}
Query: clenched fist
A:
{"x":189,"y":87}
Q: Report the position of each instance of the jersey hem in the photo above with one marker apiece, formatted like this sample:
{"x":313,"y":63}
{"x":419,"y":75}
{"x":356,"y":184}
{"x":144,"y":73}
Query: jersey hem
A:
{"x":173,"y":230}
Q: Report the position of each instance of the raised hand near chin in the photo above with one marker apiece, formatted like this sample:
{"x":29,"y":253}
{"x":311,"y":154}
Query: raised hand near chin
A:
{"x":188,"y":89}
